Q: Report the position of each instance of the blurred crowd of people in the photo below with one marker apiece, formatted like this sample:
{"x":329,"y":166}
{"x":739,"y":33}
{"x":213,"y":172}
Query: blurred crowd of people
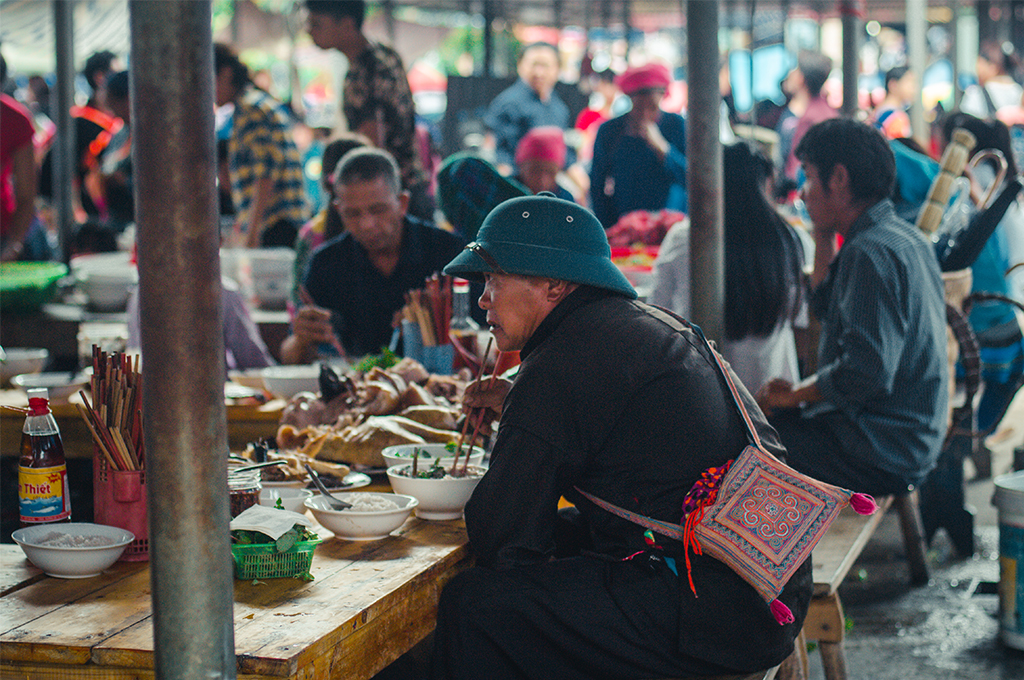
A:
{"x":623,"y":153}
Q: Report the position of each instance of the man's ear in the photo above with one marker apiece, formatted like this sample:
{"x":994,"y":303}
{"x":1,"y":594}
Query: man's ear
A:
{"x":403,"y":202}
{"x":840,"y":178}
{"x":558,"y":289}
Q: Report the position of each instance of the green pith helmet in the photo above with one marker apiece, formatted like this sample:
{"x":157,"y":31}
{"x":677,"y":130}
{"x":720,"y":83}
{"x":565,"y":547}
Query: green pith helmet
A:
{"x":542,"y":236}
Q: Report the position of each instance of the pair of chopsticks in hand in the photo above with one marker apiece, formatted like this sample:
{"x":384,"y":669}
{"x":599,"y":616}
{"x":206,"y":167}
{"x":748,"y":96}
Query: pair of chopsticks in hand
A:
{"x":481,"y":413}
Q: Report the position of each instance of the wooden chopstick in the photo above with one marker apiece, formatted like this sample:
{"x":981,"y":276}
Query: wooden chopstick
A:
{"x":465,"y":424}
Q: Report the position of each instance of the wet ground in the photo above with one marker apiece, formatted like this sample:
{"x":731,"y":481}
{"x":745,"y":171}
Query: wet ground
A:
{"x":947,"y":629}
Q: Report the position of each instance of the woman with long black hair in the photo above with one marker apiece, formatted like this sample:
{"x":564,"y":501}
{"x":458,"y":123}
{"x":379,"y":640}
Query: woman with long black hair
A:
{"x":764,"y":283}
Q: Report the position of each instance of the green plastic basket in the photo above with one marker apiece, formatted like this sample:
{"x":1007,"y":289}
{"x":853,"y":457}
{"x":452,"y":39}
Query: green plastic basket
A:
{"x":27,"y":286}
{"x":261,"y":560}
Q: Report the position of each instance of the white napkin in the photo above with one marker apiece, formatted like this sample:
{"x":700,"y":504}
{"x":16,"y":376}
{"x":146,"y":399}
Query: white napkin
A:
{"x":273,"y":522}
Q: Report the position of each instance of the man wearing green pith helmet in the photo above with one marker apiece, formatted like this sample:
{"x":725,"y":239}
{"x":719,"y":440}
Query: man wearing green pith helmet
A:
{"x":623,"y":401}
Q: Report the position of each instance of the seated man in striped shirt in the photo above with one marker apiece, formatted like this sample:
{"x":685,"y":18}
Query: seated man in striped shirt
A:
{"x":873,"y":416}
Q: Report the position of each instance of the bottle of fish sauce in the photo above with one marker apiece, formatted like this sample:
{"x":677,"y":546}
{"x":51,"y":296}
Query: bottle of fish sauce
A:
{"x":43,"y":494}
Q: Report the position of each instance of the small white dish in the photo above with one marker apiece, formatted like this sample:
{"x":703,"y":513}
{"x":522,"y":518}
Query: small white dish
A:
{"x":354,"y":525}
{"x":72,"y":550}
{"x":59,"y":385}
{"x":440,"y":499}
{"x":401,"y":454}
{"x":292,"y":499}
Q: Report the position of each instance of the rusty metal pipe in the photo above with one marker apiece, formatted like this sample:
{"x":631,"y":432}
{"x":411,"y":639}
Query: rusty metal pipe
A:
{"x":851,"y":56}
{"x":64,"y":162}
{"x":704,"y":174}
{"x":182,"y":341}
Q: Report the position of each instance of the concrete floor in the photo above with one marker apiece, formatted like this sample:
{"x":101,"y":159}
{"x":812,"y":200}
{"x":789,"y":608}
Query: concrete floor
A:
{"x":947,"y":629}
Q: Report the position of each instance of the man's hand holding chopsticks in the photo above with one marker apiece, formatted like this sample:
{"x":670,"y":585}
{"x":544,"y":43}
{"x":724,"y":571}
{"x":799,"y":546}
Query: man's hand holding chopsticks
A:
{"x":488,"y":395}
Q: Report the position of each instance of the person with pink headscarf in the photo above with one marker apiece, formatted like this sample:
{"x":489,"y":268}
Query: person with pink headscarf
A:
{"x":540,"y":156}
{"x":640,"y":157}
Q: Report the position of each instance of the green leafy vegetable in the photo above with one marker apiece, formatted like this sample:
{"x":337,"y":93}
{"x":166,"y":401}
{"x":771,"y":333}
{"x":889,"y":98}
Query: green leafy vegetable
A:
{"x":386,"y":359}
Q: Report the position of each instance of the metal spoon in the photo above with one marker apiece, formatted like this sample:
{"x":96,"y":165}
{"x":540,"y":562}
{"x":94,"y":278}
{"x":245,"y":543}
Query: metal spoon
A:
{"x":335,"y":503}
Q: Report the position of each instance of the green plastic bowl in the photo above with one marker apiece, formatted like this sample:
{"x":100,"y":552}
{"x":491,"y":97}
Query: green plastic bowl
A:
{"x":27,"y":286}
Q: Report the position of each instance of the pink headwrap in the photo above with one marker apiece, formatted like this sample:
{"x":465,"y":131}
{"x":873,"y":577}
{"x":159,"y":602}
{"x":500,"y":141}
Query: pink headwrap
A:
{"x":545,"y":143}
{"x":646,"y":77}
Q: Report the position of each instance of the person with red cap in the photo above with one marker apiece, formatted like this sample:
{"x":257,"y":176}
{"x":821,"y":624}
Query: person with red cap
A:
{"x":640,"y":157}
{"x":540,"y":156}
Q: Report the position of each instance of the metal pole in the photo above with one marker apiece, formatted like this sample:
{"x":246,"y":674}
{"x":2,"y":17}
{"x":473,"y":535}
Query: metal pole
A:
{"x":917,"y":50}
{"x":488,"y":39}
{"x":954,"y":49}
{"x":64,"y":161}
{"x":704,"y":176}
{"x":851,"y":28}
{"x":182,"y":339}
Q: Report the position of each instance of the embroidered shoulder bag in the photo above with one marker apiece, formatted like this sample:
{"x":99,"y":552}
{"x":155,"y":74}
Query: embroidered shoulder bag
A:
{"x":756,"y":514}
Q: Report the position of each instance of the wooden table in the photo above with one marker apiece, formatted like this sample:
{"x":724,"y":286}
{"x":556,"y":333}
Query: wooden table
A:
{"x":245,"y":424}
{"x":369,"y":603}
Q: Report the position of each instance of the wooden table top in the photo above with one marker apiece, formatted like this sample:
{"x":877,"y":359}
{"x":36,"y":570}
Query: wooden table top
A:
{"x":369,"y":603}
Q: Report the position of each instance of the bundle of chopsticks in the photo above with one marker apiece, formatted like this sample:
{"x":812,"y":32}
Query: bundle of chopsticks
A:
{"x":431,"y":309}
{"x":481,"y":413}
{"x":114,"y":417}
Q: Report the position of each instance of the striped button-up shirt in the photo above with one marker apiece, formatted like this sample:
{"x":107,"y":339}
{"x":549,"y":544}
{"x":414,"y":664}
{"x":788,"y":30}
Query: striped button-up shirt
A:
{"x":882,"y":352}
{"x":261,"y":146}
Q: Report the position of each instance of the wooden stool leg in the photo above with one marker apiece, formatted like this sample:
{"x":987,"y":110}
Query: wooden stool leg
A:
{"x":833,"y":660}
{"x":913,"y":536}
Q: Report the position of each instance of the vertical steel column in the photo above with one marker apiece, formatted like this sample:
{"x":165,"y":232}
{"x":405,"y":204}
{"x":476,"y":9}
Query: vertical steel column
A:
{"x":489,"y":38}
{"x":954,"y":49}
{"x":851,"y":58}
{"x":917,"y":51}
{"x":182,"y":338}
{"x":64,"y":161}
{"x":704,"y":176}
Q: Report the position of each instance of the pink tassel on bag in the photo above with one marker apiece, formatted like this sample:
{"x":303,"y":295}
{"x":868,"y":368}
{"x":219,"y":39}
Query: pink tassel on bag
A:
{"x":863,"y":504}
{"x":781,"y":612}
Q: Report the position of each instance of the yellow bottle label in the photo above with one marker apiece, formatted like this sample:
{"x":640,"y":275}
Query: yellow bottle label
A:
{"x":43,"y":494}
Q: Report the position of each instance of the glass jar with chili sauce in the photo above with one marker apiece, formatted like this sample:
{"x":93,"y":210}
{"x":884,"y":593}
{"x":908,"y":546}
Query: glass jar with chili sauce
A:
{"x":43,"y":494}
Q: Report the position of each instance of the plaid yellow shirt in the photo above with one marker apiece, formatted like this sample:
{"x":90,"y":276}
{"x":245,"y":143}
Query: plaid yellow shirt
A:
{"x":261,"y":146}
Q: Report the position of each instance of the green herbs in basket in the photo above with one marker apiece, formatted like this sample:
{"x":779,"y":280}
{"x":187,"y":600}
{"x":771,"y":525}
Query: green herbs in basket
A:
{"x":257,"y":556}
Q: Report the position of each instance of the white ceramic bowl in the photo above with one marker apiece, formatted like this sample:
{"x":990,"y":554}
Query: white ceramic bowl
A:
{"x":73,"y":562}
{"x":20,"y":360}
{"x":439,"y":498}
{"x":106,"y":279}
{"x":402,"y":455}
{"x":291,"y":498}
{"x":59,"y":385}
{"x":272,"y":275}
{"x":287,"y":381}
{"x":361,"y":526}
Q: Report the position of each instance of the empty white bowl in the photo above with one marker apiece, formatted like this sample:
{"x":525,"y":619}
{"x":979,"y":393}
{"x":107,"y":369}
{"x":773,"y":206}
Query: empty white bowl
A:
{"x":440,"y":499}
{"x":71,"y":550}
{"x":355,"y":525}
{"x":287,"y":381}
{"x":20,"y":360}
{"x":292,"y":499}
{"x":401,"y":454}
{"x":59,"y":385}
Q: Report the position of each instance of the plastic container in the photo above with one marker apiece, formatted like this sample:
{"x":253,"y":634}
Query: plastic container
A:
{"x":119,"y":500}
{"x":262,"y":561}
{"x":1009,"y":499}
